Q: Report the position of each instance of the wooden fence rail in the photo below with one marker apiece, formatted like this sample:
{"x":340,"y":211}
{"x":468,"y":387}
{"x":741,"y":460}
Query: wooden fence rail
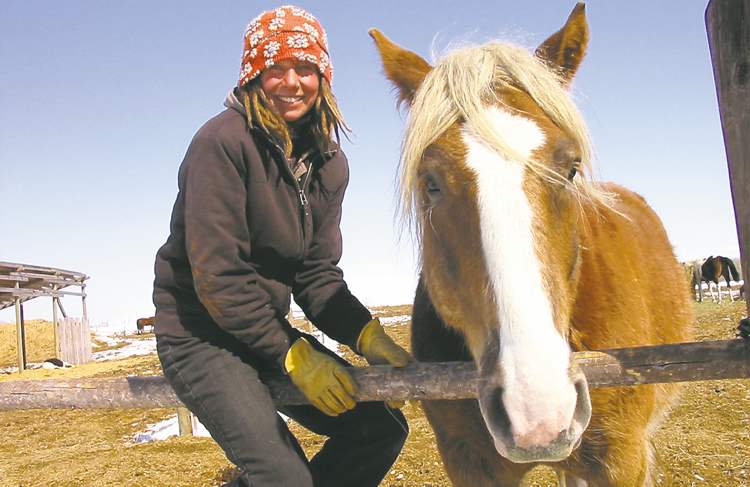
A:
{"x":709,"y":360}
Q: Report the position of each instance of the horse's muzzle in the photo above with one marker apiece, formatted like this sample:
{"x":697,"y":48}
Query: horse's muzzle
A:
{"x":499,"y":425}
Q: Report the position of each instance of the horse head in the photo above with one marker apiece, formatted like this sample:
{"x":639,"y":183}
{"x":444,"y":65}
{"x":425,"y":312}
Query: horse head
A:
{"x":492,"y":176}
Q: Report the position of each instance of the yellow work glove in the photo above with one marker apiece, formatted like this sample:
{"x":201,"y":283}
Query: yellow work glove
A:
{"x":379,"y":349}
{"x":322,"y":380}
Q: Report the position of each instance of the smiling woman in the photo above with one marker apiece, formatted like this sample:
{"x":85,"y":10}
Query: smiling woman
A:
{"x":291,"y":87}
{"x":256,"y":221}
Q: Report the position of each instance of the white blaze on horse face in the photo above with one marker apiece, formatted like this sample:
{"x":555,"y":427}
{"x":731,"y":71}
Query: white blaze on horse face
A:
{"x":538,"y":395}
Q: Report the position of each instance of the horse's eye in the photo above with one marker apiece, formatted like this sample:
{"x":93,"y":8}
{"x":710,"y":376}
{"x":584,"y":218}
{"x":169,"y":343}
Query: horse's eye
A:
{"x":432,"y":186}
{"x":574,"y":170}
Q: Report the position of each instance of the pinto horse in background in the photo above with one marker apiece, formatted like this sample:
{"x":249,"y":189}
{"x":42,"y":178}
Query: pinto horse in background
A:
{"x":713,"y":269}
{"x":694,"y":276}
{"x":524,"y":259}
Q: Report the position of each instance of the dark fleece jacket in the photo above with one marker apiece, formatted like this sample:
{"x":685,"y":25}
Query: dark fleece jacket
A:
{"x":245,"y":235}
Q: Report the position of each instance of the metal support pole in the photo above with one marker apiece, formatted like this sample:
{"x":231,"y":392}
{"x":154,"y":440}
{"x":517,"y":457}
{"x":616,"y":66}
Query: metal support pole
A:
{"x":20,"y":335}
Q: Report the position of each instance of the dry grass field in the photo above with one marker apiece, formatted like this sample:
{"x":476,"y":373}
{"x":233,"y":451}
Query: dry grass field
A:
{"x":706,"y":441}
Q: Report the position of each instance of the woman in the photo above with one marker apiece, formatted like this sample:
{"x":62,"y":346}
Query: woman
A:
{"x":256,"y":220}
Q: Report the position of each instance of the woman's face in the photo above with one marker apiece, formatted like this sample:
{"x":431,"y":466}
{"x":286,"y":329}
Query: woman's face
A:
{"x":291,"y":86}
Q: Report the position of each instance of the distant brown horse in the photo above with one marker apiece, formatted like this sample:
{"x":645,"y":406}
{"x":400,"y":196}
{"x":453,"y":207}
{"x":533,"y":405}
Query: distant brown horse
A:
{"x":714,"y":268}
{"x":142,"y":323}
{"x":525,"y":259}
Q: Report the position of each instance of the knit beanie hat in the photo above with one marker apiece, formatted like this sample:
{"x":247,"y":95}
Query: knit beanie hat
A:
{"x":284,"y":33}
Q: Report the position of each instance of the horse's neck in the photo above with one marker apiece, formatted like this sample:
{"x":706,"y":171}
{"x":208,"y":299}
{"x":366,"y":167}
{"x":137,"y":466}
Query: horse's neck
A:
{"x":432,"y":340}
{"x":621,"y":249}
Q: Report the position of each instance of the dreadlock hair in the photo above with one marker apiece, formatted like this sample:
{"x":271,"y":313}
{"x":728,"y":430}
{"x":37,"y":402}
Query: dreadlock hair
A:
{"x":324,"y":120}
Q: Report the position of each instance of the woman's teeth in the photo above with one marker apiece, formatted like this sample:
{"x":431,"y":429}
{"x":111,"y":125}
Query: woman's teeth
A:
{"x":290,"y":99}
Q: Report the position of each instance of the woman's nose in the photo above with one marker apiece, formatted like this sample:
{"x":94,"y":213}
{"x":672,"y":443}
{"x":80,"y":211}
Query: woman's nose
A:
{"x":291,"y":78}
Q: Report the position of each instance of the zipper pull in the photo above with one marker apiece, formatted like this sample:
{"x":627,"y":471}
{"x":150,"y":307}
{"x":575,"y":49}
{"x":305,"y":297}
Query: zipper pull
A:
{"x":302,"y":198}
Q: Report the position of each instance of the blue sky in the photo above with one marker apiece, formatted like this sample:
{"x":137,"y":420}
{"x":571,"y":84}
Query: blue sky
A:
{"x":99,"y":101}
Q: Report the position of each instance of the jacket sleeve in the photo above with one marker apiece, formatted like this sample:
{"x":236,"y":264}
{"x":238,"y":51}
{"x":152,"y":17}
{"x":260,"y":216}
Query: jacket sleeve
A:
{"x":217,"y":241}
{"x":319,"y":286}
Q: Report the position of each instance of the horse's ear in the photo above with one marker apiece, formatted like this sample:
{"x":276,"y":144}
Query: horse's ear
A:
{"x":405,"y":69}
{"x":564,"y":50}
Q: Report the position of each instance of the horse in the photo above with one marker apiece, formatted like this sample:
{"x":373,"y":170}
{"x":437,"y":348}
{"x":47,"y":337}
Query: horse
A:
{"x":694,"y":276}
{"x":524,"y":258}
{"x":714,"y":268}
{"x":142,"y":323}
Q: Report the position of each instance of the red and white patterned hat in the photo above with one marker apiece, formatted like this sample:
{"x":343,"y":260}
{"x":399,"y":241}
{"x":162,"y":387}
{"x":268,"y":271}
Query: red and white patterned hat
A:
{"x":284,"y":33}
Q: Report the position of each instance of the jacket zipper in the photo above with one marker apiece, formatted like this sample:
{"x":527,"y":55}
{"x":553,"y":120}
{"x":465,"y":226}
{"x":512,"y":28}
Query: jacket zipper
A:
{"x":303,"y":199}
{"x":300,"y":192}
{"x":302,"y":196}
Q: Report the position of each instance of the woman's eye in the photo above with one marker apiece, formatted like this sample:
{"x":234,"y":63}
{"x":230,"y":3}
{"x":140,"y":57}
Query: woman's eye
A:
{"x":305,"y":69}
{"x":274,"y":72}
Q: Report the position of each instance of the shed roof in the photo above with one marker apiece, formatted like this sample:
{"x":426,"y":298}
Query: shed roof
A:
{"x":31,"y":281}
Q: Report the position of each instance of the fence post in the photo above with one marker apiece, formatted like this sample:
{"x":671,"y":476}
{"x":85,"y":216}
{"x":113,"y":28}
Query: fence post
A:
{"x":20,"y":334}
{"x":729,"y":42}
{"x":55,"y":325}
{"x":185,"y":421}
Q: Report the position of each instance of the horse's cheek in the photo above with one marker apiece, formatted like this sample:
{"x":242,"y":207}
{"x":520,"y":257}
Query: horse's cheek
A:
{"x":441,"y":270}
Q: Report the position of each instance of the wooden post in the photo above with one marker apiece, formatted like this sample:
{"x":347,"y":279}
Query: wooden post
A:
{"x":728,"y":28}
{"x":20,"y":333}
{"x":62,"y":310}
{"x":185,"y":421}
{"x":83,"y":303}
{"x":55,"y":325}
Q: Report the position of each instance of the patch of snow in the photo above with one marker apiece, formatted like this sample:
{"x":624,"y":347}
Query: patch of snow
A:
{"x":105,"y":329}
{"x":146,"y":346}
{"x":327,"y":341}
{"x":170,"y":427}
{"x":135,"y":346}
{"x":34,"y":365}
{"x":113,"y":335}
{"x":395,"y":320}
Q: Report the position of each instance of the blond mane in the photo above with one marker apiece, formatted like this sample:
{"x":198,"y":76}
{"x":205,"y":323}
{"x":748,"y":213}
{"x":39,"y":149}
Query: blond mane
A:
{"x":460,"y":85}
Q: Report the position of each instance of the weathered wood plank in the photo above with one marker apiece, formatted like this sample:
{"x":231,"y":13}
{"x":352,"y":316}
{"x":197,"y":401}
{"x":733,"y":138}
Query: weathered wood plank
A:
{"x":184,"y":421}
{"x":728,"y":28}
{"x":20,"y":335}
{"x":21,"y":292}
{"x":727,"y":359}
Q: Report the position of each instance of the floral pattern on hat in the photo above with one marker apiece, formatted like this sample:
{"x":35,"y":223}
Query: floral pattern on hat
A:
{"x":276,"y":23}
{"x":298,"y":41}
{"x":287,"y":32}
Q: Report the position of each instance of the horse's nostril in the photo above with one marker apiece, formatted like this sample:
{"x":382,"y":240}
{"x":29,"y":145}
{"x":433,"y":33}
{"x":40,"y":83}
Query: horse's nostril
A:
{"x":582,"y":414}
{"x":496,"y":411}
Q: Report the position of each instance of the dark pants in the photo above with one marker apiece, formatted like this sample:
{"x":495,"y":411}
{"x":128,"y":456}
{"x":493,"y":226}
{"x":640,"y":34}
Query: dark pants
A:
{"x":219,"y":383}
